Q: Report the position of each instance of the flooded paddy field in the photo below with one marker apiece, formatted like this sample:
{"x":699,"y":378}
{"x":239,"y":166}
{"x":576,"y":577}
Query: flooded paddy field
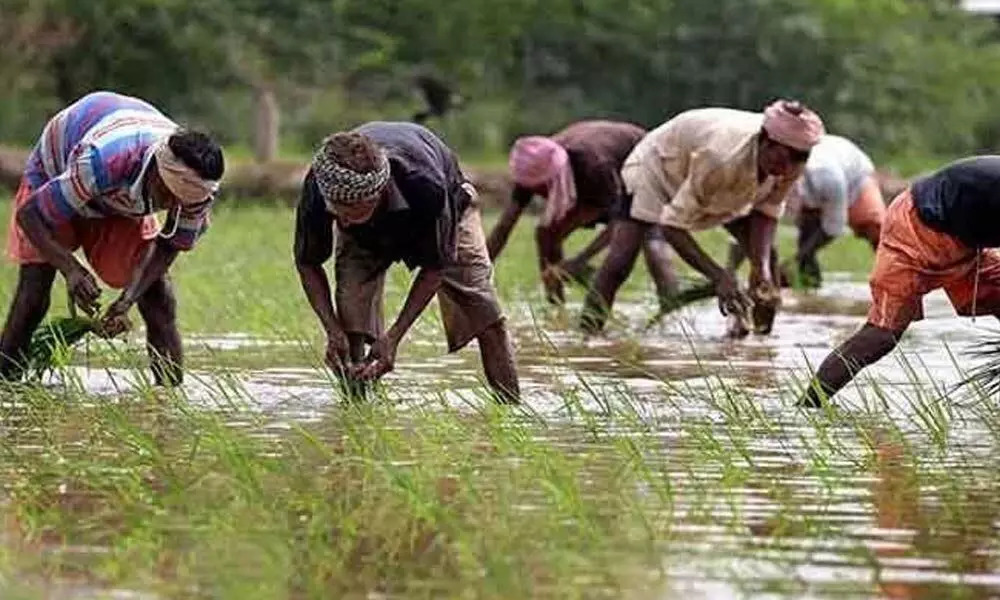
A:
{"x":657,"y":461}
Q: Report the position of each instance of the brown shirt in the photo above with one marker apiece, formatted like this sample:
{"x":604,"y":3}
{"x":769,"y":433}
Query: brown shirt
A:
{"x":596,"y":151}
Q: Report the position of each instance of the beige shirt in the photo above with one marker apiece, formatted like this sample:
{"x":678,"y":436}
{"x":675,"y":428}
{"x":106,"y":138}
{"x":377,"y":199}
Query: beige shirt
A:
{"x":705,"y":162}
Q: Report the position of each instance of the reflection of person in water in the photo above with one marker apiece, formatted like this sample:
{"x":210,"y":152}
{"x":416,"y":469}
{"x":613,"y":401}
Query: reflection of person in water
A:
{"x":896,"y":500}
{"x":438,"y":95}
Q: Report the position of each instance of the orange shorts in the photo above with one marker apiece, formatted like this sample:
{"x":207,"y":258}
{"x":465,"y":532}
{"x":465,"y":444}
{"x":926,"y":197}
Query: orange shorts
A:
{"x":913,"y":260}
{"x":114,"y":245}
{"x":868,"y":208}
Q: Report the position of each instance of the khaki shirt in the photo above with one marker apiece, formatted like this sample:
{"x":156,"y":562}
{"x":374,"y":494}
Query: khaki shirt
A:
{"x":705,"y":162}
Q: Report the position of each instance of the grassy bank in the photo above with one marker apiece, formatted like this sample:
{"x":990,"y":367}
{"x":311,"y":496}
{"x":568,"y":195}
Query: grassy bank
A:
{"x":241,"y":277}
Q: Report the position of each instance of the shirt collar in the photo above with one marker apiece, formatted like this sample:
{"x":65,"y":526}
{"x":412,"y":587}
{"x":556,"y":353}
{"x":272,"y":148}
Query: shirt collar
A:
{"x":136,"y":191}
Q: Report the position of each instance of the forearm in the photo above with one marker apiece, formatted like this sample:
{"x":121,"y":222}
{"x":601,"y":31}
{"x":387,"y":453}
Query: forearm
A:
{"x":427,"y":283}
{"x":152,"y":268}
{"x":689,"y":250}
{"x":761,"y":240}
{"x":813,"y":243}
{"x":501,"y":231}
{"x":549,"y":247}
{"x":43,"y":239}
{"x":600,"y":242}
{"x":316,"y":286}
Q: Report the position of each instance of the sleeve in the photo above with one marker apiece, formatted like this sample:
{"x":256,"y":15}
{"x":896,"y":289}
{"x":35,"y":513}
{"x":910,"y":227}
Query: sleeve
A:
{"x":192,"y":222}
{"x":313,"y":227}
{"x":65,"y":196}
{"x":34,"y":170}
{"x":830,"y":189}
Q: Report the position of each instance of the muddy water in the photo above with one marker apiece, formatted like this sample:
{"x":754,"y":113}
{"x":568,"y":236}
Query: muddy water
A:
{"x":837,"y":510}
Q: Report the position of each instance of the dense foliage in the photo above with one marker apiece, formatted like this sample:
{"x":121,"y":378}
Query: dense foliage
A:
{"x":905,"y":77}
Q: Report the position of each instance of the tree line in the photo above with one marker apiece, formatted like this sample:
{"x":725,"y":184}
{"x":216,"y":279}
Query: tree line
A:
{"x":903,"y":77}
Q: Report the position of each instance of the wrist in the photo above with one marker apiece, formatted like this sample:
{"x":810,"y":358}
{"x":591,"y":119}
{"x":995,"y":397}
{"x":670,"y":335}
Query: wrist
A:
{"x":333,"y":330}
{"x":393,"y":335}
{"x":719,"y":275}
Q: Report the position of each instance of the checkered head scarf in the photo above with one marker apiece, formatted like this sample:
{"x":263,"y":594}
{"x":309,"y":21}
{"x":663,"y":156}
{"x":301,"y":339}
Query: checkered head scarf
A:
{"x":341,"y":186}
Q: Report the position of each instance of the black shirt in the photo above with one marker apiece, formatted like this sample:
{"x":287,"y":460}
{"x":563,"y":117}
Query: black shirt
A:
{"x":963,"y":200}
{"x":416,"y":224}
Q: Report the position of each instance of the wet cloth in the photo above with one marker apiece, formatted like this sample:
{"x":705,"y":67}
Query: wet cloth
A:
{"x":113,"y":246}
{"x":835,"y":181}
{"x":467,"y":298}
{"x":913,"y":260}
{"x":91,"y":161}
{"x":699,"y":170}
{"x":596,"y":150}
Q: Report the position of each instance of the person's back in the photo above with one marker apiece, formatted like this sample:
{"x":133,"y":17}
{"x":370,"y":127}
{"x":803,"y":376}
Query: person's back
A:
{"x":98,"y":117}
{"x":419,"y":224}
{"x":723,"y":131}
{"x":963,"y":200}
{"x":838,"y":157}
{"x":940,"y":233}
{"x":597,"y":150}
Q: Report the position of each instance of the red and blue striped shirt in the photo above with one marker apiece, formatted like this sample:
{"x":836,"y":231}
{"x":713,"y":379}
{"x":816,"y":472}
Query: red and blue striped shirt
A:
{"x":91,"y":160}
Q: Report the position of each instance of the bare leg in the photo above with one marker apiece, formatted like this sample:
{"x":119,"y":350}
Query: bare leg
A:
{"x":600,"y":242}
{"x":497,"y":355}
{"x":27,"y":309}
{"x":158,"y":308}
{"x":657,"y":253}
{"x":626,"y":238}
{"x":865,"y":347}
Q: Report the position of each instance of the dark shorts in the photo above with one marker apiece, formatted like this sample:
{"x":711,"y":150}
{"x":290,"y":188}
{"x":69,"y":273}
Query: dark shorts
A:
{"x":468,"y":300}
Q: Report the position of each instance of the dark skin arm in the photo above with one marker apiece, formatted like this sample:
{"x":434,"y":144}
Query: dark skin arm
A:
{"x":382,"y":357}
{"x":549,"y":240}
{"x":82,"y":285}
{"x":316,"y":286}
{"x":688,"y":249}
{"x":762,"y":230}
{"x":152,"y":268}
{"x":501,"y":231}
{"x":811,"y":236}
{"x":865,"y":347}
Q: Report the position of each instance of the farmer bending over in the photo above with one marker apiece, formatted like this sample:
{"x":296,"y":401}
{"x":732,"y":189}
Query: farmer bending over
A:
{"x":577,"y":170}
{"x":704,"y":168}
{"x":939,"y":233}
{"x":101,"y":169}
{"x":837,"y":190}
{"x":396,"y":193}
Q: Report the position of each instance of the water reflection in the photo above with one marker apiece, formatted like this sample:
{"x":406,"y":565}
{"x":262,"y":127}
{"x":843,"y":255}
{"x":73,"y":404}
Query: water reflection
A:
{"x":764,"y":501}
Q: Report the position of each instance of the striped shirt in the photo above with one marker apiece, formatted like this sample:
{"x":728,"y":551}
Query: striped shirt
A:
{"x":91,"y":161}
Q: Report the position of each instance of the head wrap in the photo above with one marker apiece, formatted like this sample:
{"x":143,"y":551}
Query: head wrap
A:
{"x":182,"y":181}
{"x":801,"y":131}
{"x":536,"y":162}
{"x":345,"y":187}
